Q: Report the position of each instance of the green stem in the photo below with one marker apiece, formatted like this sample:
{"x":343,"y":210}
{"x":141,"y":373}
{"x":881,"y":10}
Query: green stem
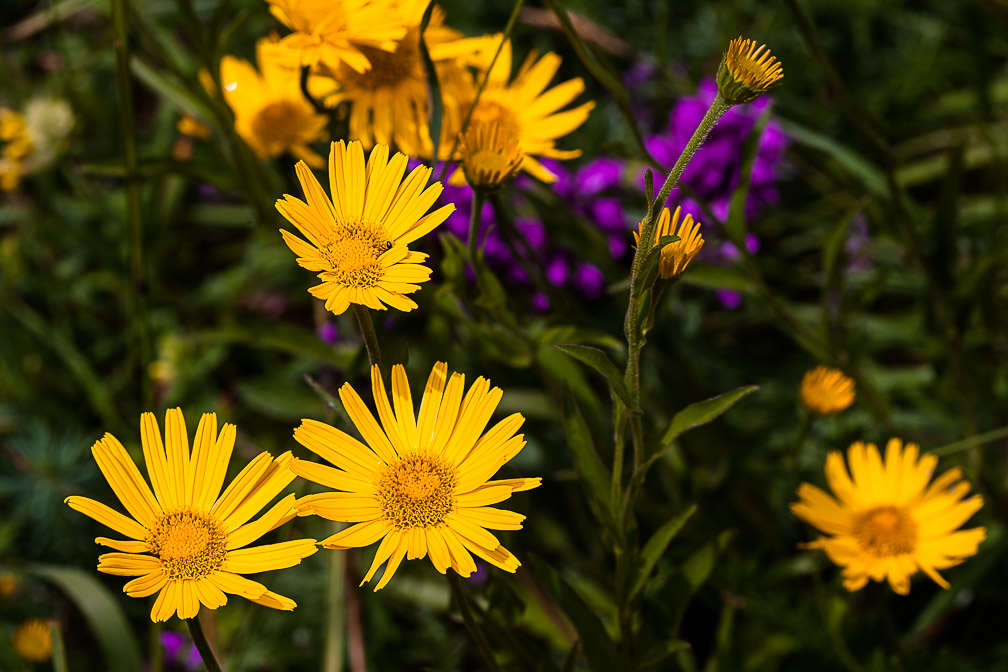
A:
{"x":59,"y":661}
{"x":619,"y":440}
{"x":472,"y":245}
{"x":134,"y":223}
{"x":370,"y":338}
{"x":469,"y":618}
{"x":335,"y":609}
{"x":156,"y":651}
{"x":202,"y":645}
{"x":479,"y":91}
{"x":799,"y":440}
{"x":971,"y":442}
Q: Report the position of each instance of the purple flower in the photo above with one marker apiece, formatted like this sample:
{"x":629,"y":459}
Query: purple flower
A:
{"x":590,"y":280}
{"x":557,"y":271}
{"x":328,"y":332}
{"x":729,"y":298}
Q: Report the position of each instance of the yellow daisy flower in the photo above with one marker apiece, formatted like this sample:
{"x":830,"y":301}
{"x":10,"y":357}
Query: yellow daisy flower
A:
{"x":389,"y":100}
{"x":747,"y":71}
{"x":526,"y":108}
{"x":420,"y":484}
{"x":188,"y":542}
{"x":490,"y":155}
{"x":271,"y":113}
{"x":332,"y":32}
{"x":676,"y":256}
{"x":826,"y":391}
{"x":32,"y":641}
{"x":888,"y":522}
{"x":357,"y":242}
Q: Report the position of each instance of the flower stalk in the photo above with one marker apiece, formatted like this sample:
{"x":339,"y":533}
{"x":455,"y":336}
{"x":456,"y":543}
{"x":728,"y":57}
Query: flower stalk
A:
{"x":366,"y":325}
{"x":469,"y":618}
{"x":202,"y":644}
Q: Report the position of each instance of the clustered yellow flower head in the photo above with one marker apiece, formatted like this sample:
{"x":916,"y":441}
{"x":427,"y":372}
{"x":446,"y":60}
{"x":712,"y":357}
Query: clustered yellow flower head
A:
{"x":677,"y":255}
{"x":826,"y":391}
{"x":188,"y":541}
{"x":527,"y":108}
{"x":32,"y":140}
{"x":271,"y":113}
{"x":389,"y":99}
{"x":33,"y":641}
{"x":357,"y":242}
{"x":419,"y":483}
{"x":747,"y":72}
{"x":885,"y":521}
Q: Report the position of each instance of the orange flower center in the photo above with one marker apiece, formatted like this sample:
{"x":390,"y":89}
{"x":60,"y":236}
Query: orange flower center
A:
{"x":886,"y":531}
{"x":189,"y":544}
{"x":353,"y":252}
{"x":416,"y":491}
{"x":280,"y":124}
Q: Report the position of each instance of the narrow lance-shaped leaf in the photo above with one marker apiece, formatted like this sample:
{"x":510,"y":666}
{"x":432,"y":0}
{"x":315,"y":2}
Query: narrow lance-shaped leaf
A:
{"x":593,"y":474}
{"x":599,"y":361}
{"x":599,"y":649}
{"x":735,"y":225}
{"x":693,"y":574}
{"x":702,"y":412}
{"x":656,"y":545}
{"x":649,"y":269}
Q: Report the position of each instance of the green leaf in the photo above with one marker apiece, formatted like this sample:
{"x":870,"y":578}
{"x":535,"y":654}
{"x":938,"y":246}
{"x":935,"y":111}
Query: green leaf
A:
{"x":593,"y":473}
{"x":649,"y":186}
{"x":718,"y":277}
{"x":702,"y":412}
{"x":598,"y":647}
{"x":871,"y":177}
{"x":656,"y":545}
{"x":171,"y":90}
{"x":285,"y":338}
{"x":693,"y":574}
{"x":660,"y":652}
{"x":102,"y":613}
{"x":649,"y":269}
{"x":599,"y":361}
{"x":436,"y":104}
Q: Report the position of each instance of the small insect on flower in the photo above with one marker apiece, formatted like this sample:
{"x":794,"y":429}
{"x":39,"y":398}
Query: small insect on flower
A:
{"x":747,"y":72}
{"x":357,"y":242}
{"x":826,"y":391}
{"x":677,"y":255}
{"x":420,"y":484}
{"x":187,"y":541}
{"x":885,"y":521}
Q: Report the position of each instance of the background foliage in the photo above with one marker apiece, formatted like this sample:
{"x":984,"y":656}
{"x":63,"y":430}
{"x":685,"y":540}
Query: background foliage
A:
{"x":885,"y":255}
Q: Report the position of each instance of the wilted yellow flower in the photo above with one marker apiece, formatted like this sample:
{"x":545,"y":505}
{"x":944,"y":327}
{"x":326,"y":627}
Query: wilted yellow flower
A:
{"x":826,"y":391}
{"x":747,"y":71}
{"x":420,"y":484}
{"x":357,"y":242}
{"x":32,"y":641}
{"x":523,"y":106}
{"x":188,"y":542}
{"x":332,"y":32}
{"x":490,"y":155}
{"x":389,"y":99}
{"x":271,"y":113}
{"x":888,"y":522}
{"x":677,"y":255}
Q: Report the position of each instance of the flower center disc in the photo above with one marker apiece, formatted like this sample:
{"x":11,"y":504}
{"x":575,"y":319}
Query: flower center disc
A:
{"x":492,"y":113}
{"x":353,"y":252}
{"x":886,"y":531}
{"x":416,"y":492}
{"x":279,"y":125}
{"x":189,"y":544}
{"x":388,"y":68}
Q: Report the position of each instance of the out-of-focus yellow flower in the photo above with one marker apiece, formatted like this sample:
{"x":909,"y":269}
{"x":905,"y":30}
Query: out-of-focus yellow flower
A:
{"x":389,"y":100}
{"x":188,"y":541}
{"x":357,"y":242}
{"x":885,"y":521}
{"x":271,"y":113}
{"x":420,"y":485}
{"x":8,"y":584}
{"x":826,"y":391}
{"x":16,"y":147}
{"x":525,"y":107}
{"x":490,"y":155}
{"x":677,"y":255}
{"x":747,"y":71}
{"x":333,"y":32}
{"x":32,"y":641}
{"x":192,"y":127}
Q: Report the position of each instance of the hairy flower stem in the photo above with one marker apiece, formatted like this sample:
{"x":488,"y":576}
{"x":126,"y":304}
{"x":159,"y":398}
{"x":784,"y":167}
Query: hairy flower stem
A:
{"x":134,"y":221}
{"x":479,"y":198}
{"x":363,"y":316}
{"x":202,"y":645}
{"x":469,"y":618}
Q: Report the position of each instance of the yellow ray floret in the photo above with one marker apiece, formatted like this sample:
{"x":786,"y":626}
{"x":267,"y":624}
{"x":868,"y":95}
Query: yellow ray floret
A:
{"x":675,"y":256}
{"x":826,"y":391}
{"x":885,"y":521}
{"x":419,"y":483}
{"x":188,"y":540}
{"x":357,"y":242}
{"x":747,"y":71}
{"x":526,"y":107}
